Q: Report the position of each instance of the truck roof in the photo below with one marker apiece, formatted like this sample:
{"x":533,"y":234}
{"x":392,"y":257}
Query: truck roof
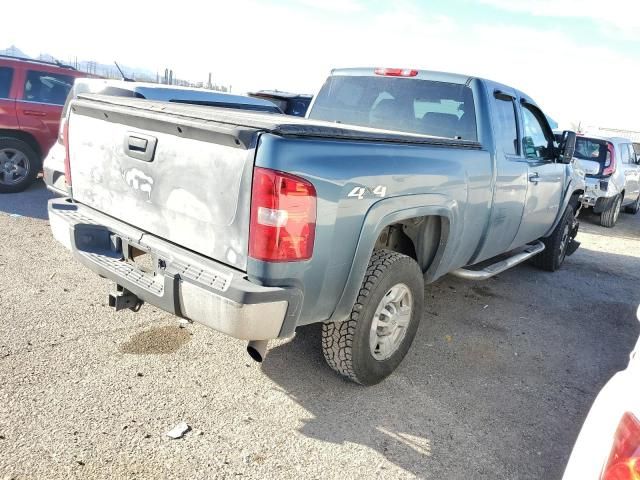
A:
{"x":436,"y":76}
{"x":421,"y":75}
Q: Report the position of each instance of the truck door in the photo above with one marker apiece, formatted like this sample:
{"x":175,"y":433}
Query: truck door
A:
{"x":510,"y":188}
{"x":546,"y":177}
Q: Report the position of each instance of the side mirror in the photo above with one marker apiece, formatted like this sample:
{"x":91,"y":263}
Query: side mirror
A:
{"x":567,"y":146}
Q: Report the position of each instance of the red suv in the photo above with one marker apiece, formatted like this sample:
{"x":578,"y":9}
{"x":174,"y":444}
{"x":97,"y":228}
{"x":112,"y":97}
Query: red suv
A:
{"x":32,"y":94}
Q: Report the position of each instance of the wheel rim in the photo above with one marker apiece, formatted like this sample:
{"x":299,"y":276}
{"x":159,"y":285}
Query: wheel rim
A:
{"x":14,"y":166}
{"x":390,"y":321}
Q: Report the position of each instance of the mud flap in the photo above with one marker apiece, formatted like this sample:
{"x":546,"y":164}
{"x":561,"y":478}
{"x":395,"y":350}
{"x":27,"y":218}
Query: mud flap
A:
{"x":574,"y":244}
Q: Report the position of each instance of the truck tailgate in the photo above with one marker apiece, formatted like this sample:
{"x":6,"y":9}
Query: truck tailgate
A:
{"x":184,"y":180}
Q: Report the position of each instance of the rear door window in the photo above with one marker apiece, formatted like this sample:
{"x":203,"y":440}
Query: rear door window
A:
{"x":401,"y":104}
{"x":6,"y":75}
{"x":506,"y":127}
{"x":625,"y":154}
{"x":45,"y":87}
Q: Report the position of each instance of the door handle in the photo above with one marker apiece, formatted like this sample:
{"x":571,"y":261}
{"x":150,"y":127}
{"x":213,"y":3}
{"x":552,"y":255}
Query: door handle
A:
{"x":34,"y":113}
{"x":534,"y":178}
{"x":140,"y":146}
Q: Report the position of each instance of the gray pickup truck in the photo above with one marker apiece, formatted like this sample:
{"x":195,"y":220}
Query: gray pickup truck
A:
{"x":255,"y":224}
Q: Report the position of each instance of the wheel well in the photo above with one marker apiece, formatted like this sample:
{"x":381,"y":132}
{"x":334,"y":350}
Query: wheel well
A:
{"x":416,"y":237}
{"x":25,"y":137}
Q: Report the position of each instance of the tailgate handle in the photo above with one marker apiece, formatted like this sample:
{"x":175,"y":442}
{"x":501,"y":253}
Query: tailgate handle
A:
{"x":140,"y":146}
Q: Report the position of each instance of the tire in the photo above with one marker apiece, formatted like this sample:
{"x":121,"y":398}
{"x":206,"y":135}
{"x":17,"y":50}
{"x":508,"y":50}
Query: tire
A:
{"x":609,"y":217}
{"x":552,"y":257}
{"x":634,"y":207}
{"x":364,"y":356}
{"x":19,"y":165}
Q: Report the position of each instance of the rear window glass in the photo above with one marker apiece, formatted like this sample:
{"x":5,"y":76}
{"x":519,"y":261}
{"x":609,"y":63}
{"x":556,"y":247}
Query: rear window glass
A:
{"x":6,"y":74}
{"x":401,"y":104}
{"x":591,"y":149}
{"x":45,"y":87}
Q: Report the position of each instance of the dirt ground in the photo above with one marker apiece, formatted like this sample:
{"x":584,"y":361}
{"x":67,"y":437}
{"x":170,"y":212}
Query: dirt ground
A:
{"x":496,"y":385}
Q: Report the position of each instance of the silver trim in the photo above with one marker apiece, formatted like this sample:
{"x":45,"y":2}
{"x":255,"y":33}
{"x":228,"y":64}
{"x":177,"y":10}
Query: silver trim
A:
{"x":501,"y":266}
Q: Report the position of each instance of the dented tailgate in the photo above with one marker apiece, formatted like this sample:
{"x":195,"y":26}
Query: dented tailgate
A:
{"x":174,"y":177}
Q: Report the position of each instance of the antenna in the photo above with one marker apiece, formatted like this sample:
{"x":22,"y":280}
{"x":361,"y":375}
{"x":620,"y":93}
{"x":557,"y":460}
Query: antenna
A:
{"x":124,"y":77}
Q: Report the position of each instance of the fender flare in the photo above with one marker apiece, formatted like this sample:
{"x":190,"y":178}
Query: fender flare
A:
{"x":568,"y":194}
{"x":392,"y":210}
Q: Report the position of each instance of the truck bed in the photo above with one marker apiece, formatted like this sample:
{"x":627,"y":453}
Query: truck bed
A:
{"x":184,"y":172}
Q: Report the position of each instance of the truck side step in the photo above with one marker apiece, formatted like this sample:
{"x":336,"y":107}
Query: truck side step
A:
{"x":500,"y":266}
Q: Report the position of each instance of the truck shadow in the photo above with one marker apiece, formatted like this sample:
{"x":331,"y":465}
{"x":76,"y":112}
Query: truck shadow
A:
{"x":30,"y":203}
{"x":498,"y":380}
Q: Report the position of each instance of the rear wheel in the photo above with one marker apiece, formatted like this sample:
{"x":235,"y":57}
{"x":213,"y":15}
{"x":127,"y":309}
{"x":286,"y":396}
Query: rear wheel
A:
{"x":609,"y":217}
{"x":19,"y":165}
{"x":371,"y":343}
{"x":634,"y":207}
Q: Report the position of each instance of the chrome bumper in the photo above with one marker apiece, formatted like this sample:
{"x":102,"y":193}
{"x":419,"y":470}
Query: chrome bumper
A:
{"x":173,"y":279}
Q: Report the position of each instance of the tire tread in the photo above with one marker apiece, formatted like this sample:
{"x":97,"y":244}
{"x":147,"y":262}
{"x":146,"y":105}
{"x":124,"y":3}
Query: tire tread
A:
{"x":338,"y":338}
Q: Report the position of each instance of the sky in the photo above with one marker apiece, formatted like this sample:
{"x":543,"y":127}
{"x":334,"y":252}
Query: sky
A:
{"x":579,"y":59}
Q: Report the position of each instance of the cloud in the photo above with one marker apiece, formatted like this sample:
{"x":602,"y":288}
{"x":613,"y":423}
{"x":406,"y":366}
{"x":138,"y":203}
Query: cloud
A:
{"x":333,"y":6}
{"x":294,"y":48}
{"x":617,"y":17}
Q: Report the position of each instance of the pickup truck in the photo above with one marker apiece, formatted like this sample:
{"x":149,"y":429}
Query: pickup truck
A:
{"x":255,"y":224}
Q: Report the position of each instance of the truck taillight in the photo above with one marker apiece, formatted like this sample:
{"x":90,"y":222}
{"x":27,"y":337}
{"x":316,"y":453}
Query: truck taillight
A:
{"x":624,"y":461}
{"x":283,"y":217}
{"x":396,"y":72}
{"x":610,"y":161}
{"x":65,"y":142}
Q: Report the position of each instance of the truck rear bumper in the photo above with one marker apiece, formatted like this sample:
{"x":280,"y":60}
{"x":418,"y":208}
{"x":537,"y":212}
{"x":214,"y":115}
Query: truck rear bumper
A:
{"x":172,"y":278}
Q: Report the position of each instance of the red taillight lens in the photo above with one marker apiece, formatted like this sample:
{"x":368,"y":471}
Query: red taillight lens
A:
{"x":65,"y":142}
{"x":396,"y":72}
{"x":610,"y":161}
{"x":283,"y":217}
{"x":624,"y":461}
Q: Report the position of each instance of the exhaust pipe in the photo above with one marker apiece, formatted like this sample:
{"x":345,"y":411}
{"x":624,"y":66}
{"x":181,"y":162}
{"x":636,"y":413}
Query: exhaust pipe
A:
{"x":257,"y":349}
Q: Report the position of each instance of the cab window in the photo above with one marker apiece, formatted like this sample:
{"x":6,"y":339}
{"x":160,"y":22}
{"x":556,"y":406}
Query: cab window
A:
{"x":506,"y":125}
{"x":45,"y":87}
{"x":534,"y":141}
{"x":6,"y":74}
{"x":625,"y":154}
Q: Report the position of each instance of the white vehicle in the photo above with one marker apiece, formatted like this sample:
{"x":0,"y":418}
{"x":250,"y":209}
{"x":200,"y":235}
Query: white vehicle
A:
{"x":608,"y":446}
{"x":612,"y":176}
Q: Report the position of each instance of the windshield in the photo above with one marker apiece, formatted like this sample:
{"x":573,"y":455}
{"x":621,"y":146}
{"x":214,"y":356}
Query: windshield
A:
{"x":402,"y":104}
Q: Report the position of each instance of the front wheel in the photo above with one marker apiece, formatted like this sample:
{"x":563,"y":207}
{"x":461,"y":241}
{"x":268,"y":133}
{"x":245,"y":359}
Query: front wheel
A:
{"x":634,"y":207}
{"x":371,"y":343}
{"x":557,"y":244}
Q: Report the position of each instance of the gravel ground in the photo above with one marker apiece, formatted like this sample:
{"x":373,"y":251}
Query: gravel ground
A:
{"x":496,"y":385}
